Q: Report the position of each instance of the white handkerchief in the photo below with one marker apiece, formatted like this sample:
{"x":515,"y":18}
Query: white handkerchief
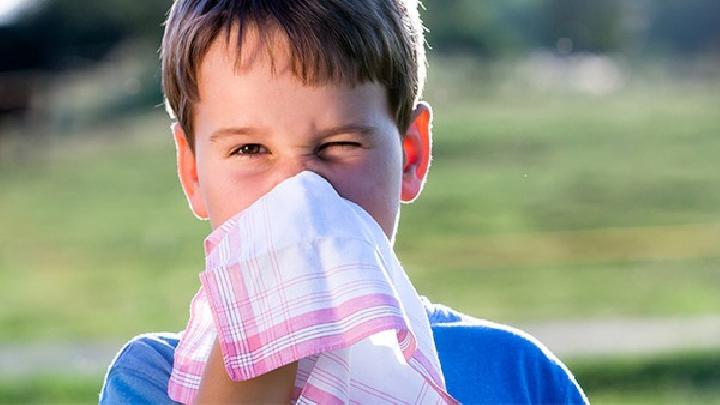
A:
{"x":305,"y":275}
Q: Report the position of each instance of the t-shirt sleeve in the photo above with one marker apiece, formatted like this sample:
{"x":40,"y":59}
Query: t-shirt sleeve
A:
{"x":140,"y":371}
{"x":484,"y":362}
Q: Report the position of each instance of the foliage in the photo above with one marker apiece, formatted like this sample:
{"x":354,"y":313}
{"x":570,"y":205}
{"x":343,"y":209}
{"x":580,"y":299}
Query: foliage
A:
{"x":497,"y":27}
{"x":685,"y":26}
{"x":61,"y":33}
{"x":58,"y":34}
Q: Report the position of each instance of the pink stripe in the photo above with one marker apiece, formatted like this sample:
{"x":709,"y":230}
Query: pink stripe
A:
{"x":214,"y":238}
{"x":328,"y":379}
{"x":374,"y":392}
{"x":328,"y":315}
{"x":335,"y":315}
{"x":257,"y":276}
{"x":421,"y":394}
{"x":254,"y":275}
{"x":182,"y":394}
{"x":244,"y":312}
{"x":306,"y":348}
{"x":278,"y":276}
{"x":337,"y":360}
{"x":296,"y":393}
{"x":439,"y":388}
{"x":222,"y":317}
{"x":262,"y":317}
{"x":306,"y":345}
{"x":324,"y":275}
{"x":181,"y":390}
{"x":313,"y":345}
{"x":191,"y":366}
{"x":407,"y":343}
{"x":316,"y":394}
{"x":425,"y":363}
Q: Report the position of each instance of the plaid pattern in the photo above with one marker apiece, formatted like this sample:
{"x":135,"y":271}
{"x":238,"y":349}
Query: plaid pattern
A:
{"x":319,"y":284}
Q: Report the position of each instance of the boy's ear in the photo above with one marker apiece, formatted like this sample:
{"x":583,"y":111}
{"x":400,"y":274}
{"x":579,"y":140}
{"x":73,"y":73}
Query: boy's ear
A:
{"x":187,"y":172}
{"x":417,"y":152}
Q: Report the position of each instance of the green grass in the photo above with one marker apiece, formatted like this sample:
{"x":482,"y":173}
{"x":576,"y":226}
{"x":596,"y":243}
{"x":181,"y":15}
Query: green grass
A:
{"x":97,"y":242}
{"x":688,"y":378}
{"x":540,"y":205}
{"x":50,"y":389}
{"x":556,"y":162}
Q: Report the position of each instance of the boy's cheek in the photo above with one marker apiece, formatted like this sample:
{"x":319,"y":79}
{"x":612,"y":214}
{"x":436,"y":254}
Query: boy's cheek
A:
{"x":373,"y":184}
{"x":227,"y":200}
{"x":377,"y":194}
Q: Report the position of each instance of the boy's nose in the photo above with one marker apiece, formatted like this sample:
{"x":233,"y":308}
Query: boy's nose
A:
{"x":295,"y":165}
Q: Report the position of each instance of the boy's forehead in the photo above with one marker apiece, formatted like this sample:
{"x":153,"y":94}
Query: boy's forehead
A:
{"x":256,"y":45}
{"x":259,"y":69}
{"x":268,"y":46}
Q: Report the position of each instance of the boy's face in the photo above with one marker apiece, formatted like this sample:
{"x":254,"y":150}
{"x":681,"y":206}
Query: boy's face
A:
{"x":254,"y":129}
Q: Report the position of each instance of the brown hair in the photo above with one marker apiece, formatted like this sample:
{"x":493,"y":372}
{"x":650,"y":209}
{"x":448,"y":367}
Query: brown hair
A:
{"x":330,"y":41}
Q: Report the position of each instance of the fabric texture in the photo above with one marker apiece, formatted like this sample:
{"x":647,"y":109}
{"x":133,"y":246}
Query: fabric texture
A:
{"x":483,"y":363}
{"x":305,"y":275}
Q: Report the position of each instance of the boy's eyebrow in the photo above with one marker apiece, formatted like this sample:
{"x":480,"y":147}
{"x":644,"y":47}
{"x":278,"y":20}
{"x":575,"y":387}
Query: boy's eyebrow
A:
{"x":366,"y":130}
{"x":223,"y":132}
{"x":361,"y":129}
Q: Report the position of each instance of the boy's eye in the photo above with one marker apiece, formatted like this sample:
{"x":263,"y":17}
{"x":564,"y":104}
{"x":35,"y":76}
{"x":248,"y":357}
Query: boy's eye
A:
{"x":339,"y":144}
{"x":337,"y":149}
{"x":249,"y":149}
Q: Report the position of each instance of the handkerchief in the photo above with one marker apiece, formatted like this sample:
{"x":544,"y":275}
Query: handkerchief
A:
{"x":306,"y":275}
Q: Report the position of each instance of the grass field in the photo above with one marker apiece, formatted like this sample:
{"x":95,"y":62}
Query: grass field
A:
{"x":540,"y":205}
{"x":687,"y":378}
{"x":545,"y":206}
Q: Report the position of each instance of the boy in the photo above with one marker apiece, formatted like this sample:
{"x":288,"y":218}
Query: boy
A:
{"x":263,"y":90}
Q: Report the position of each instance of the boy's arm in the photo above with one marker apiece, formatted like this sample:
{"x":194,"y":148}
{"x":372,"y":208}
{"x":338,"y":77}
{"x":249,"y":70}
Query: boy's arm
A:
{"x":216,"y":386}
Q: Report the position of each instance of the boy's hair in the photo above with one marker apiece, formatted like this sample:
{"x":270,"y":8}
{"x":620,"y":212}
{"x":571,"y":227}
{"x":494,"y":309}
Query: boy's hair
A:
{"x":330,"y":41}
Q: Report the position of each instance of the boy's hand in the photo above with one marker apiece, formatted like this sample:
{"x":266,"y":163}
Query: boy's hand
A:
{"x":274,"y":387}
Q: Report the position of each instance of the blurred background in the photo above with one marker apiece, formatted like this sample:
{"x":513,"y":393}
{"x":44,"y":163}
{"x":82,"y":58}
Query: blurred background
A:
{"x":574,"y":193}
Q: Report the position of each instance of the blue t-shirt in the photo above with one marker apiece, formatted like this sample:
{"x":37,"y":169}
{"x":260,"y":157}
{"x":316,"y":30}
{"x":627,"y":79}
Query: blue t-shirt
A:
{"x":483,"y":362}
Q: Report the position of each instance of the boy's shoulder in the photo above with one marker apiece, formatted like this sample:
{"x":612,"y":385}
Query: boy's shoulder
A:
{"x":488,"y":362}
{"x":482,"y":361}
{"x":140,"y":371}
